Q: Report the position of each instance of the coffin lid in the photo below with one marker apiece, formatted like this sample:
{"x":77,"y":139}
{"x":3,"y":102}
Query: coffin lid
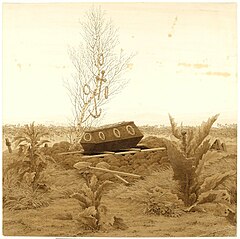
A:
{"x":109,"y":126}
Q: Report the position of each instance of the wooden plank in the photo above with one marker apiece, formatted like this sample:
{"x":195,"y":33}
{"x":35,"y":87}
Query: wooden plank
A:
{"x":94,"y":156}
{"x":128,"y":149}
{"x":153,"y":149}
{"x":108,"y":152}
{"x":116,"y":172}
{"x":141,"y":146}
{"x":71,"y":152}
{"x":135,"y":149}
{"x":121,"y":179}
{"x":126,"y":152}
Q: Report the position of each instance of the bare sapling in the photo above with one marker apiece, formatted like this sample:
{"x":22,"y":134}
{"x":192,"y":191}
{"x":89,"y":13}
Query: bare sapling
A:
{"x":98,"y":70}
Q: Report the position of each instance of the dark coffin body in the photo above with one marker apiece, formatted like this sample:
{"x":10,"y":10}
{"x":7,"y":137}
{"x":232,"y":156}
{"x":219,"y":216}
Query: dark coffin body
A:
{"x":114,"y":137}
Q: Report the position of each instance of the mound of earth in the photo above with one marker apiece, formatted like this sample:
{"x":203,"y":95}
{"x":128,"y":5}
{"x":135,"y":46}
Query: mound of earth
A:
{"x":153,"y":142}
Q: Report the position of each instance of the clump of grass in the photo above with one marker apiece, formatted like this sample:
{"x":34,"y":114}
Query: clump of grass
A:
{"x":159,"y":201}
{"x":19,"y":195}
{"x":186,"y":156}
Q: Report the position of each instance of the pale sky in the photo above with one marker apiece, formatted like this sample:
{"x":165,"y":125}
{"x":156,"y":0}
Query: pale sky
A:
{"x":186,"y":67}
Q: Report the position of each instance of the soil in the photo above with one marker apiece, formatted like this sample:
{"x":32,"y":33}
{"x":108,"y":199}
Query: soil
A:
{"x":58,"y":218}
{"x":50,"y":221}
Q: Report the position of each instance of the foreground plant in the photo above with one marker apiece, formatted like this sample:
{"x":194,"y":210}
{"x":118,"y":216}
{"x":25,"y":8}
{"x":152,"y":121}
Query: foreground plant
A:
{"x":159,"y":201}
{"x":94,"y":215}
{"x":20,"y":195}
{"x":186,"y":156}
{"x":34,"y":162}
{"x":28,"y":169}
{"x":153,"y":195}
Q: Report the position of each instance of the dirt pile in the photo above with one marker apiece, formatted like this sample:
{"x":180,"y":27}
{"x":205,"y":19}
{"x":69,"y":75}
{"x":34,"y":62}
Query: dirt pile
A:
{"x":60,"y":147}
{"x":142,"y":163}
{"x":153,"y":142}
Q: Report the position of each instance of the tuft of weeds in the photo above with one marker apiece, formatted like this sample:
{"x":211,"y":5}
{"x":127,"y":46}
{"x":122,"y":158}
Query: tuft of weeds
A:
{"x":158,"y":201}
{"x":154,"y":195}
{"x":19,"y":195}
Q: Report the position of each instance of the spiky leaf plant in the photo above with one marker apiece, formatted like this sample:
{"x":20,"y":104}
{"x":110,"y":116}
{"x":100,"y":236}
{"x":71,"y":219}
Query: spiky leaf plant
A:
{"x":187,"y":160}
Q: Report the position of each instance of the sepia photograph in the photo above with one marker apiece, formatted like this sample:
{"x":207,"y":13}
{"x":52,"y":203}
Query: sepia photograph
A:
{"x":119,"y":119}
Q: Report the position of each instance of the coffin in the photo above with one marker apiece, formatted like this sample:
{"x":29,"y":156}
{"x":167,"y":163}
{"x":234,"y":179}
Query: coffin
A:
{"x":113,"y":137}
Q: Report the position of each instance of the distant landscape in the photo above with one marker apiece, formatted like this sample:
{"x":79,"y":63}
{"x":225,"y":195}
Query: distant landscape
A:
{"x":62,"y":133}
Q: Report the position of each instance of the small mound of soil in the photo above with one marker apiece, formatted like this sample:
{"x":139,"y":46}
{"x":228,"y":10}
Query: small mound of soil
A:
{"x":153,"y":142}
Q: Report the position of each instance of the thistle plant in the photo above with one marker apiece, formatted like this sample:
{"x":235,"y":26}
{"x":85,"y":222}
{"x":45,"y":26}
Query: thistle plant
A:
{"x":22,"y":178}
{"x":186,"y":156}
{"x":90,"y":200}
{"x":94,"y":214}
{"x":32,"y":137}
{"x":33,"y":162}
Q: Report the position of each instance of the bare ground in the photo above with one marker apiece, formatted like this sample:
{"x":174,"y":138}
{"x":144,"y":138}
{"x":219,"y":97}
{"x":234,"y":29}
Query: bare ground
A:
{"x":53,"y":221}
